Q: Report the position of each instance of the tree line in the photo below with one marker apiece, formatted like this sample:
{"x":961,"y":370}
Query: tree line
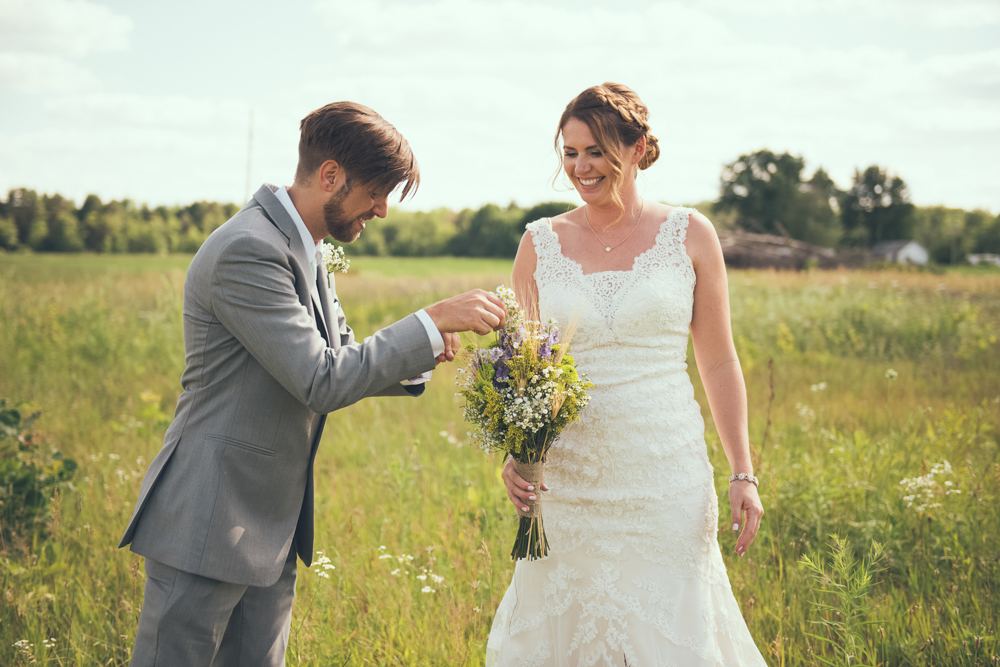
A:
{"x":761,"y":192}
{"x":768,"y":193}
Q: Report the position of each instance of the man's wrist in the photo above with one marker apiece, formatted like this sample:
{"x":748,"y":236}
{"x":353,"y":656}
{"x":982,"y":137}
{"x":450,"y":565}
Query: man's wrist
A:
{"x":433,"y":334}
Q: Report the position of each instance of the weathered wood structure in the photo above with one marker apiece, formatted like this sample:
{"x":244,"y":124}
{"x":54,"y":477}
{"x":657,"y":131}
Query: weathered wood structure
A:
{"x":744,"y":250}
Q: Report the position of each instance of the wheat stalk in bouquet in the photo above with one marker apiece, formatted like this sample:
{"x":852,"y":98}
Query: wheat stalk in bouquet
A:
{"x":520,"y":393}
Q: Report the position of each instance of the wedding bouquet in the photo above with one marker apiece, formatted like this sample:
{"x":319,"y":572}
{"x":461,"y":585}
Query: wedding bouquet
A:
{"x":520,"y":393}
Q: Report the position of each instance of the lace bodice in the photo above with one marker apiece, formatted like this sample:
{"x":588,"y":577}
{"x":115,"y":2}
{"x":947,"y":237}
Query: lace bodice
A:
{"x":634,"y":569}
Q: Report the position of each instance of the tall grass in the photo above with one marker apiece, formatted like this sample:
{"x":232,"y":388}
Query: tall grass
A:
{"x":405,"y":503}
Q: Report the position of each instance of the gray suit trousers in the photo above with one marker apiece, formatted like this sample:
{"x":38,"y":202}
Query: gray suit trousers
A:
{"x":192,"y":621}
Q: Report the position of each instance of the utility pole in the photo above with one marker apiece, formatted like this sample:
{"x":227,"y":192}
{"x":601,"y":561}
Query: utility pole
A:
{"x":246,"y":194}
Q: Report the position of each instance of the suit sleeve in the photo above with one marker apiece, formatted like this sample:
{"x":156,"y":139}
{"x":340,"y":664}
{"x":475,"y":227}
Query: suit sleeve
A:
{"x":254,"y":297}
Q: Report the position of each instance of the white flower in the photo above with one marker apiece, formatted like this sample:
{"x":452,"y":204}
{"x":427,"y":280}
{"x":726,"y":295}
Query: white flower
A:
{"x":322,"y":574}
{"x":384,"y":556}
{"x":437,"y":579}
{"x":818,"y":387}
{"x":422,"y":577}
{"x":890,"y":374}
{"x":426,"y":589}
{"x":334,"y":259}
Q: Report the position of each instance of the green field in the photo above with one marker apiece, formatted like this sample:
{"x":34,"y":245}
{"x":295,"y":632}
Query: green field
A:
{"x":94,"y":342}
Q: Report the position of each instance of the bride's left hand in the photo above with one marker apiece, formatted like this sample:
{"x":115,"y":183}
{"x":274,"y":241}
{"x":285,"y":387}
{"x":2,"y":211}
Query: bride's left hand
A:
{"x":743,"y":500}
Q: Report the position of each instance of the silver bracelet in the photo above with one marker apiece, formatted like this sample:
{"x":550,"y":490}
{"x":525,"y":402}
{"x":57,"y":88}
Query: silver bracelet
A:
{"x":743,"y":477}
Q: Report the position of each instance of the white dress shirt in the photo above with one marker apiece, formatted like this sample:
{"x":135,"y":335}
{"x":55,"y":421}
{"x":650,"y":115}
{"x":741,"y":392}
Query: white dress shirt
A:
{"x":314,"y":258}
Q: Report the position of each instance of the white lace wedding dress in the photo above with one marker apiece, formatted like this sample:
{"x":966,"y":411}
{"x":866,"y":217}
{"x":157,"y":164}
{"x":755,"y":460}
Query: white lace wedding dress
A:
{"x":634,"y":575}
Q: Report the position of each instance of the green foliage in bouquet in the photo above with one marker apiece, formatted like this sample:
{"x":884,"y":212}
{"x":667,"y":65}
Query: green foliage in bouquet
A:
{"x":30,"y":472}
{"x":520,"y":393}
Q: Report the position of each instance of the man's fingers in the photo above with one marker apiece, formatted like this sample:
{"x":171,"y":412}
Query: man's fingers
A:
{"x":495,"y":299}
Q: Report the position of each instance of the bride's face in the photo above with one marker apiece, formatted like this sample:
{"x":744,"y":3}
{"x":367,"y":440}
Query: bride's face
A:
{"x":584,"y":162}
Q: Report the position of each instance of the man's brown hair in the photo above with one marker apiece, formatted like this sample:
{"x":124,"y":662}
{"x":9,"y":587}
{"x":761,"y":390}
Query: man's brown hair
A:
{"x":369,"y":149}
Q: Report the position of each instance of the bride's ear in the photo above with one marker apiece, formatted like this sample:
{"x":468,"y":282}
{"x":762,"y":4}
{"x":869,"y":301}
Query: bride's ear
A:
{"x":638,"y":151}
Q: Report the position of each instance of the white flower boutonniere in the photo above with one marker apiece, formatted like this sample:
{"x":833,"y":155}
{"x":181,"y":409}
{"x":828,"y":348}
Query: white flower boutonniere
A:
{"x":334,"y":259}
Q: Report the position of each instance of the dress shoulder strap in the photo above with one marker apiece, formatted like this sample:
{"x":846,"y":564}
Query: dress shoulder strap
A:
{"x":669,"y":249}
{"x":545,"y":240}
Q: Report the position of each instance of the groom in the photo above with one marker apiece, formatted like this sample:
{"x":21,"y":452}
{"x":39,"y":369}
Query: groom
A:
{"x":228,"y":502}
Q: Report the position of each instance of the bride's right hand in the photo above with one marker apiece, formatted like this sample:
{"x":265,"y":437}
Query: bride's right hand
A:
{"x":518,"y":490}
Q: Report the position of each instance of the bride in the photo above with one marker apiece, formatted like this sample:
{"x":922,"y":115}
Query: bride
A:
{"x":634,"y":574}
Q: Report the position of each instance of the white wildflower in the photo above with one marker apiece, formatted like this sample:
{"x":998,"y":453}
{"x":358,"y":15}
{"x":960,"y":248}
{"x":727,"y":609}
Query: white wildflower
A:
{"x":426,"y":589}
{"x":334,"y":259}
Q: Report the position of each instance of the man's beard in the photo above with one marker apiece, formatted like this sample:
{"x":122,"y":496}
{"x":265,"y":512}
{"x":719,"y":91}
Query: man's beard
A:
{"x":337,"y":224}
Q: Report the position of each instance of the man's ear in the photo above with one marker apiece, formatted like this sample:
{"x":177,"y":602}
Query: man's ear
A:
{"x":330,"y":176}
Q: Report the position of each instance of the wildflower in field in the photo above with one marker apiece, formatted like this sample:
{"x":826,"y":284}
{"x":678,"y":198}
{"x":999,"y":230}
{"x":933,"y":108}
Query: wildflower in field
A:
{"x":382,"y":548}
{"x":49,"y":643}
{"x":807,"y":415}
{"x":924,"y":491}
{"x":114,"y":457}
{"x":395,"y":572}
{"x":819,"y":386}
{"x":323,"y":564}
{"x":384,"y":556}
{"x":890,"y":374}
{"x":422,"y":577}
{"x":405,"y":558}
{"x":426,"y":589}
{"x":437,"y":579}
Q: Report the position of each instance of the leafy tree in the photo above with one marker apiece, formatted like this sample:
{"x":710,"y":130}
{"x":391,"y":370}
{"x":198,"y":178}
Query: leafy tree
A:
{"x":876,"y":208}
{"x":489,"y":232}
{"x":8,"y":234}
{"x":549,"y":209}
{"x":768,"y":195}
{"x":988,"y":238}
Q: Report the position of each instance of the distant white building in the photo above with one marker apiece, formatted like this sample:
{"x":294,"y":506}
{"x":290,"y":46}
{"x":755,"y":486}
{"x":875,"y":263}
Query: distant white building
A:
{"x":900,"y":252}
{"x":984,"y":258}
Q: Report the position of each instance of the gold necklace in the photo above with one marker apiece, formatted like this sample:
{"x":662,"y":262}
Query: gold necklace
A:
{"x":609,"y":248}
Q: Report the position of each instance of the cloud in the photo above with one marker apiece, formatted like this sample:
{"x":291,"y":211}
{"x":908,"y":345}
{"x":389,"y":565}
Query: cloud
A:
{"x":39,"y":73}
{"x":69,"y":28}
{"x":942,"y":14}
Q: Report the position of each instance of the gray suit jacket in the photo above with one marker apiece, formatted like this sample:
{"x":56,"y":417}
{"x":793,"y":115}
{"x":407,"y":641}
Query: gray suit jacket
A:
{"x":231,"y":490}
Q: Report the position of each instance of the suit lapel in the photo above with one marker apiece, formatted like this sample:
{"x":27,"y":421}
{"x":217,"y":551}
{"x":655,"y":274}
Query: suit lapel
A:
{"x":324,"y":301}
{"x":279,"y":217}
{"x":276,"y":212}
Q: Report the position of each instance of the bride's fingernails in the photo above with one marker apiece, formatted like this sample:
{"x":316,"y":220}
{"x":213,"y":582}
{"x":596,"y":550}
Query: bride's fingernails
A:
{"x":531,"y":498}
{"x":736,"y":526}
{"x":531,"y":488}
{"x":524,"y":509}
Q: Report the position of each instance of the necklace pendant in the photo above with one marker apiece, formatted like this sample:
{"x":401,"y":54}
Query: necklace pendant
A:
{"x":608,"y":249}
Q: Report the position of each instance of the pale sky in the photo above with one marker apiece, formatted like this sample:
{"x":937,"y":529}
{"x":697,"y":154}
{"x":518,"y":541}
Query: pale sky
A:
{"x":151,"y":100}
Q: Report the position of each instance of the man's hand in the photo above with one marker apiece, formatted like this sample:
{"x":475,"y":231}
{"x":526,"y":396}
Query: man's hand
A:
{"x":452,"y":343}
{"x":476,"y":310}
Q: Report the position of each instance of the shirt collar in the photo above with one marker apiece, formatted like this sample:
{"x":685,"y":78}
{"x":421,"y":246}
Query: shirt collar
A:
{"x":307,"y":239}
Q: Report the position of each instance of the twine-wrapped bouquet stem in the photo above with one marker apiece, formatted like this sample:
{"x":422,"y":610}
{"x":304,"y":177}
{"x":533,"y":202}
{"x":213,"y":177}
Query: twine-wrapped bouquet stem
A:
{"x":530,"y":542}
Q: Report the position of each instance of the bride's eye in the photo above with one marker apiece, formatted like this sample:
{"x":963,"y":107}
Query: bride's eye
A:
{"x":596,"y":153}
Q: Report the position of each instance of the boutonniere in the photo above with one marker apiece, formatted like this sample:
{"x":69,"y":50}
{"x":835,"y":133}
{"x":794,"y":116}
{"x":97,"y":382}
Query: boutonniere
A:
{"x":334,"y":260}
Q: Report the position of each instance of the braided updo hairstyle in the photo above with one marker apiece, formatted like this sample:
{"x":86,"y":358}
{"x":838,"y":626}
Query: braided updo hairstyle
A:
{"x":616,"y":117}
